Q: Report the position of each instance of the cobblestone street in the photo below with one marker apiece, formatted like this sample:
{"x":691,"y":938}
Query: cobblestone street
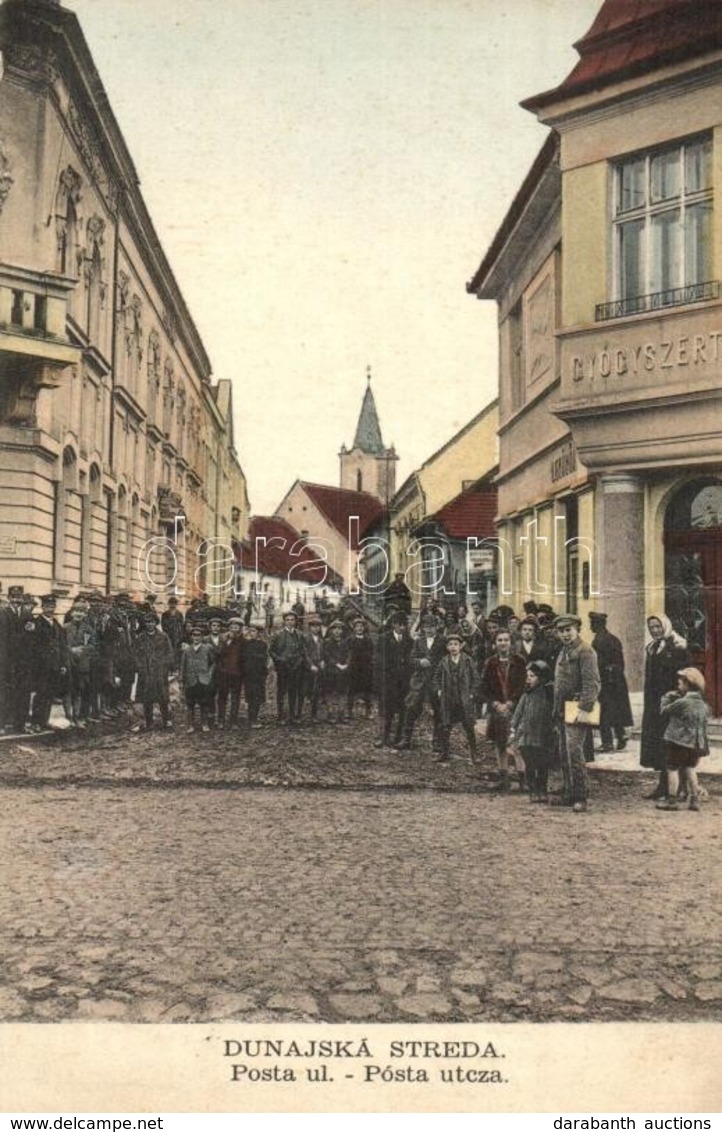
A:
{"x":148,"y":879}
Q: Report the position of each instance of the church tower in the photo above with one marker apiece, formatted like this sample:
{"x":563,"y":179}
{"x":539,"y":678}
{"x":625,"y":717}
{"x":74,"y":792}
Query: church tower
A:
{"x":369,"y":466}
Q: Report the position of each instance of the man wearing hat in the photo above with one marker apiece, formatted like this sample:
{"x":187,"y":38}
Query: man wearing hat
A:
{"x":428,"y":650}
{"x":172,"y":622}
{"x":288,"y":655}
{"x":360,"y":668}
{"x":154,"y":660}
{"x":336,"y":657}
{"x":50,"y":662}
{"x":23,"y":651}
{"x":393,"y":670}
{"x":576,"y":680}
{"x":7,"y":620}
{"x":312,"y":681}
{"x":13,"y":644}
{"x":229,"y":672}
{"x":614,"y":696}
{"x":456,"y":685}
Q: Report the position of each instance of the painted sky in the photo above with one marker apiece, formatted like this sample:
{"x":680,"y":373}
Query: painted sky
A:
{"x":325,"y":176}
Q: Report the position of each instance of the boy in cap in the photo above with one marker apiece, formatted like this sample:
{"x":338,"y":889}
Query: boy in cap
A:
{"x":255,"y":671}
{"x":456,"y":685}
{"x":576,"y":679}
{"x":197,"y":672}
{"x":288,"y":655}
{"x":312,"y":683}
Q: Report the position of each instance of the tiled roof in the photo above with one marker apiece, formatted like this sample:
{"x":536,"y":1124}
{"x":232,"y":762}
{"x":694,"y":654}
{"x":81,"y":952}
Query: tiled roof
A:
{"x":470,"y":514}
{"x":337,"y":504}
{"x":630,"y":37}
{"x":276,"y":559}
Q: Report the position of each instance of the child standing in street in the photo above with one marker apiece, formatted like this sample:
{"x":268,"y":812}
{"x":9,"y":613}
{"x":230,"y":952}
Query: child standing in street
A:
{"x":685,"y":714}
{"x":532,"y":729}
{"x":197,"y":670}
{"x":255,"y":672}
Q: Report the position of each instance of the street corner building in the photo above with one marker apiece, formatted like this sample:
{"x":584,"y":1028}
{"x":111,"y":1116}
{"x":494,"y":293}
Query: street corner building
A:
{"x":606,"y":274}
{"x":111,"y":426}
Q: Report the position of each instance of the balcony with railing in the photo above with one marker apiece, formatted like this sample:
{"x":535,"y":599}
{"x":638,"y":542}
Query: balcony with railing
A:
{"x":658,"y":300}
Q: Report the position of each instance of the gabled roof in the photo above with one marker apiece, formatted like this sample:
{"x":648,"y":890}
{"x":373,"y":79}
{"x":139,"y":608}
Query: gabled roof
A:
{"x":631,"y":37}
{"x":276,"y":560}
{"x":368,"y":429}
{"x":470,"y":514}
{"x":539,"y":189}
{"x":338,"y":504}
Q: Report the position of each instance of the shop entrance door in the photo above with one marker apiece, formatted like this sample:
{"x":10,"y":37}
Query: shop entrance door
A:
{"x":693,"y":579}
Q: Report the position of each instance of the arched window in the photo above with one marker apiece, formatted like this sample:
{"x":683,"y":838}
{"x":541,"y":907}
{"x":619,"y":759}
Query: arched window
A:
{"x":698,"y":506}
{"x":359,"y":481}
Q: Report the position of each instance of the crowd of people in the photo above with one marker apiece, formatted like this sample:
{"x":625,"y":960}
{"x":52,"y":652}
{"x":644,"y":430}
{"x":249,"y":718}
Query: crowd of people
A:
{"x":529,"y":684}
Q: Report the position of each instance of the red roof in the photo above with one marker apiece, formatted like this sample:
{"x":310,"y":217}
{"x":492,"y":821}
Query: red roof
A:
{"x":630,"y":37}
{"x":277,"y":560}
{"x":470,"y":514}
{"x":338,"y":505}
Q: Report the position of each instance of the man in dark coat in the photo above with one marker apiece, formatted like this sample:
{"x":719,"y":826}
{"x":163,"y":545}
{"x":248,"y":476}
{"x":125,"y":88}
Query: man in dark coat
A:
{"x":289,"y":657}
{"x":172,"y":622}
{"x":360,"y":668}
{"x":154,"y":660}
{"x":427,"y":652}
{"x":393,"y":670}
{"x":456,"y":684}
{"x":616,"y":714}
{"x":50,"y":662}
{"x":22,"y":645}
{"x":10,"y":618}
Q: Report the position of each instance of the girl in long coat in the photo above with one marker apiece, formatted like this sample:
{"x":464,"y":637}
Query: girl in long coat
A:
{"x":666,"y":653}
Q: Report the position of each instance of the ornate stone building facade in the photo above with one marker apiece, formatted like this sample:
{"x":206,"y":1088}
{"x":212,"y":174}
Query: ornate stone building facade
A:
{"x":110,"y":424}
{"x":606,"y":272}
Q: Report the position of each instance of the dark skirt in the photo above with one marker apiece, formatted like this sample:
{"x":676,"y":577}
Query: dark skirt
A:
{"x":539,"y":758}
{"x":680,"y":757}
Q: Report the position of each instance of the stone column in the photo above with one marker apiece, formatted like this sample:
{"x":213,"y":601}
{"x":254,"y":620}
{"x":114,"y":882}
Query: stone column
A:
{"x":621,"y":544}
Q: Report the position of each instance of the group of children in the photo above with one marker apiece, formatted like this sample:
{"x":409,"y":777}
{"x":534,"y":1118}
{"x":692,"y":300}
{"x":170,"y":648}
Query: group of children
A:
{"x":685,"y":737}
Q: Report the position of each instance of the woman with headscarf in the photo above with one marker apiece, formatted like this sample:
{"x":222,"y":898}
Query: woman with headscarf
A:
{"x":666,"y":653}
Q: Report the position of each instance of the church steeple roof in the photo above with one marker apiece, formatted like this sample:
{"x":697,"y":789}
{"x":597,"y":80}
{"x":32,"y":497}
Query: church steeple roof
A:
{"x":368,"y":429}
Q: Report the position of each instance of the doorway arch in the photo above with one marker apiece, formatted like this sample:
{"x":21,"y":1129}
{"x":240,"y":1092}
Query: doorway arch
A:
{"x":693,"y":576}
